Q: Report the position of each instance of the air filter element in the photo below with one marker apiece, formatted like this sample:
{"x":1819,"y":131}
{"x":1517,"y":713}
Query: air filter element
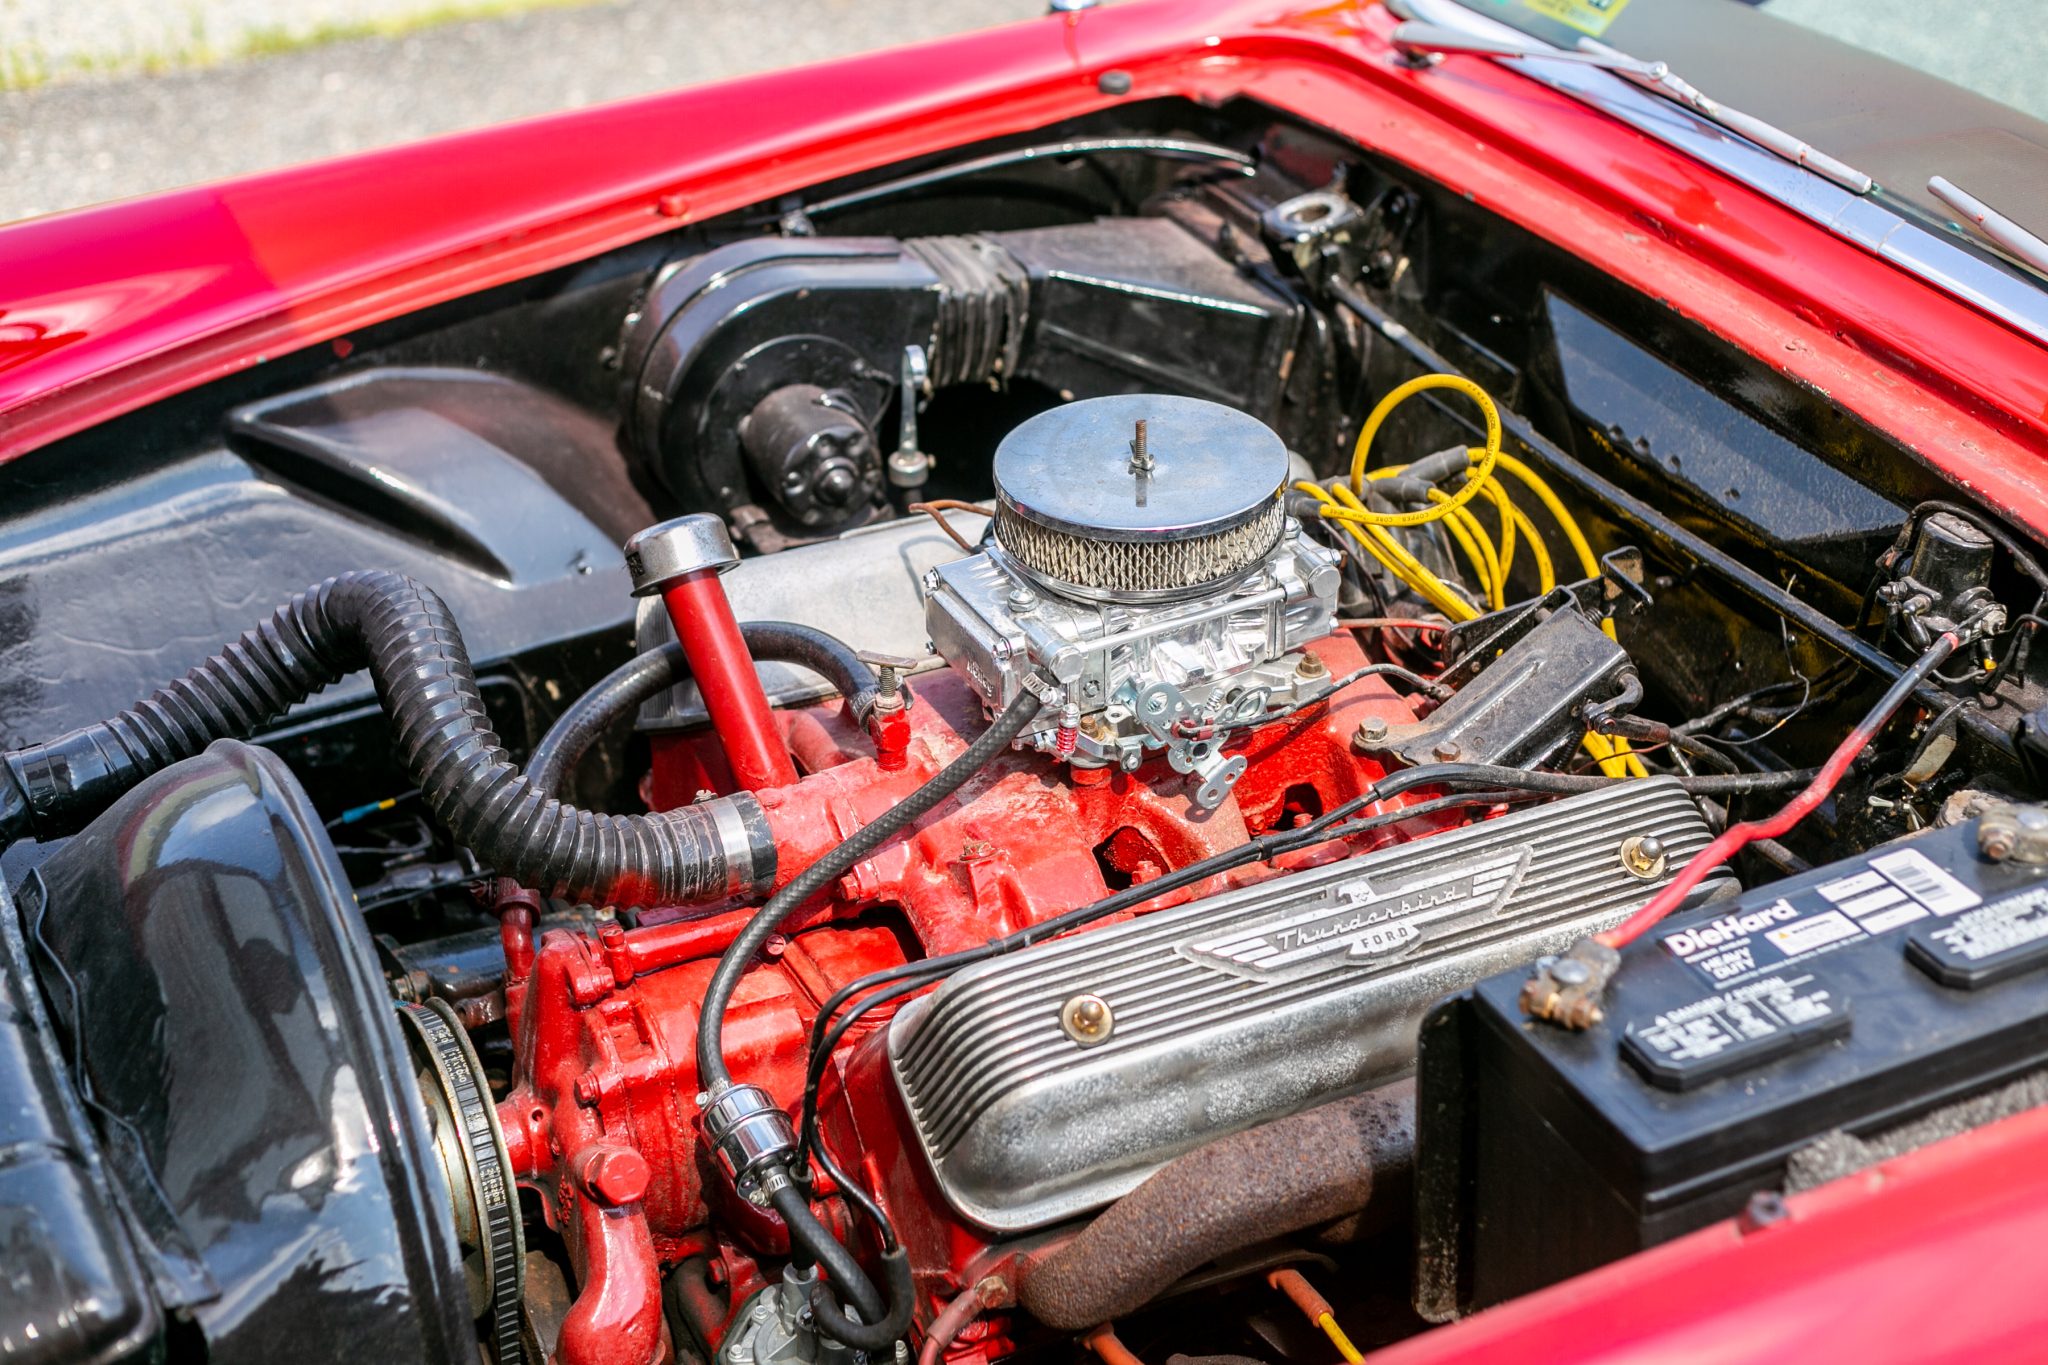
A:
{"x":1139,"y":496}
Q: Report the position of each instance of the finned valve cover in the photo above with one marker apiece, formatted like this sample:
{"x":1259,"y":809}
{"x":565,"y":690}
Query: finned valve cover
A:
{"x":1248,"y":1006}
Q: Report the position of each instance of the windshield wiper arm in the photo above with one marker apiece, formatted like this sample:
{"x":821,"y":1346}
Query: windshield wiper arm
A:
{"x":2001,"y":231}
{"x":1415,"y":36}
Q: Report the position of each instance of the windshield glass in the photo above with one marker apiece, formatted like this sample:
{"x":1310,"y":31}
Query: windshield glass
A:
{"x":1902,"y":90}
{"x":1993,"y":48}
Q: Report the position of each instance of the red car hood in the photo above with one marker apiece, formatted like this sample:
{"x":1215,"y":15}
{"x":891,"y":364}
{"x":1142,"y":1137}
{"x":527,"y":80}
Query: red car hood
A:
{"x":107,"y":309}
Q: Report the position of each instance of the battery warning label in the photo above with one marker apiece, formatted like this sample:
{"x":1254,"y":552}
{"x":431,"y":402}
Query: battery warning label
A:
{"x":1893,"y":890}
{"x":1733,"y":1030}
{"x":1985,"y":945}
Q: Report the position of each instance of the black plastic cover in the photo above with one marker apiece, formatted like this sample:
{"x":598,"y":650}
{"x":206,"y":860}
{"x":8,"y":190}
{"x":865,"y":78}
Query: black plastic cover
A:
{"x":211,"y":982}
{"x":71,"y":1290}
{"x":115,"y":578}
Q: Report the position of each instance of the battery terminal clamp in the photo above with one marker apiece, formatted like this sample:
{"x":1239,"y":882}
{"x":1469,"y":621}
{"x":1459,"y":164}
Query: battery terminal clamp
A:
{"x":1566,"y":990}
{"x":2015,"y":834}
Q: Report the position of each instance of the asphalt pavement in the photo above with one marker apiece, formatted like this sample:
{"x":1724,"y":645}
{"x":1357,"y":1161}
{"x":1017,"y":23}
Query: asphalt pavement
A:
{"x":81,"y":138}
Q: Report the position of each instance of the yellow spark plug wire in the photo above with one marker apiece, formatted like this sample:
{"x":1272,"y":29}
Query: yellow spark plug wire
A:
{"x":1491,"y":563}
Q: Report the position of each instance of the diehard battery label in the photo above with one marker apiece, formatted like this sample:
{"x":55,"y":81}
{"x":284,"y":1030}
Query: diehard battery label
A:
{"x":1985,"y":945}
{"x":1734,"y":1030}
{"x":1890,"y":891}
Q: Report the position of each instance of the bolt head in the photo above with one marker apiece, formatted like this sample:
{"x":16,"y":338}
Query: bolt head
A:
{"x":1087,"y":1019}
{"x":617,"y":1175}
{"x":1372,"y":730}
{"x":1644,"y":856}
{"x":1765,"y":1208}
{"x":837,"y":484}
{"x":1448,"y":749}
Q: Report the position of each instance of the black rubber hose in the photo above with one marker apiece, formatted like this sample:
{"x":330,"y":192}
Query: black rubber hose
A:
{"x":879,"y":1336}
{"x":587,"y":718}
{"x":808,"y":1235}
{"x":828,"y":656}
{"x":805,"y":1231}
{"x":403,"y":633}
{"x":1567,"y":784}
{"x":649,"y":675}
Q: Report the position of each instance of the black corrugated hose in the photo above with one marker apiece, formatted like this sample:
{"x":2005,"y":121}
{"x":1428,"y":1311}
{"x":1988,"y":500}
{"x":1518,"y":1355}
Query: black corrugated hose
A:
{"x":657,"y":670}
{"x":403,"y":633}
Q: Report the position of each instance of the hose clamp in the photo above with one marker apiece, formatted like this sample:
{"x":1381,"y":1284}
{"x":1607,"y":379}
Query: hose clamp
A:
{"x":745,"y":841}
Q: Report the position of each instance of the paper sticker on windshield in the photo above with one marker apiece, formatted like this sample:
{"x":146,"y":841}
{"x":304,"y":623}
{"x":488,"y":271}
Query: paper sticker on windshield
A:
{"x":1587,"y":16}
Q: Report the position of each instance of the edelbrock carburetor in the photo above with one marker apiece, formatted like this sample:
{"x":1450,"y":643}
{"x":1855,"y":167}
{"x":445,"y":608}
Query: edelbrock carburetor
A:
{"x":1143,"y":562}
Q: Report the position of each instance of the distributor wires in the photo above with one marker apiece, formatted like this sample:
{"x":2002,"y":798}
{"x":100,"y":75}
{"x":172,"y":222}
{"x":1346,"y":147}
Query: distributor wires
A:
{"x":1343,"y":503}
{"x":1567,"y":990}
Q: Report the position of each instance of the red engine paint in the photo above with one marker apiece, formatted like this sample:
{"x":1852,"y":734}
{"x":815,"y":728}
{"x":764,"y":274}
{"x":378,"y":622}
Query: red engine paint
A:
{"x":710,"y":637}
{"x":112,"y":308}
{"x":605,"y":1025}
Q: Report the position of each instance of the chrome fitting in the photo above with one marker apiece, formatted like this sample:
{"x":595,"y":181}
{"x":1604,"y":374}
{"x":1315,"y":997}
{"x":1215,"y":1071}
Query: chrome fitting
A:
{"x":672,"y":550}
{"x":748,"y":1132}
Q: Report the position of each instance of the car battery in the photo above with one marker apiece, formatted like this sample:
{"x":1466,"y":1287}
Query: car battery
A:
{"x":1853,"y":998}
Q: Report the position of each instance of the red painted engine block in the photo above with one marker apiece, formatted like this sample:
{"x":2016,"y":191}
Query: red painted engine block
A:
{"x":602,"y":1120}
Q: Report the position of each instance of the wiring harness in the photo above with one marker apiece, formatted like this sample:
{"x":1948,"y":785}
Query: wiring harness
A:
{"x":1344,"y":503}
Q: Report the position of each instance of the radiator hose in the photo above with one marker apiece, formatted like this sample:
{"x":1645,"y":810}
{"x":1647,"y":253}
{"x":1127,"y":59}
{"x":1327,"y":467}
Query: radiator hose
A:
{"x":404,"y":634}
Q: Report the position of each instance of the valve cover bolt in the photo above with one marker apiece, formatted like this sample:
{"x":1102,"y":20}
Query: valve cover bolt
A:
{"x":1087,"y":1019}
{"x":1642,"y":855}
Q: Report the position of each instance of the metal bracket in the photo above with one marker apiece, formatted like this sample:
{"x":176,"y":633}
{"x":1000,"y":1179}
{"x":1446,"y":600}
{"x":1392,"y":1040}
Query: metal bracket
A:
{"x":1471,"y":645}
